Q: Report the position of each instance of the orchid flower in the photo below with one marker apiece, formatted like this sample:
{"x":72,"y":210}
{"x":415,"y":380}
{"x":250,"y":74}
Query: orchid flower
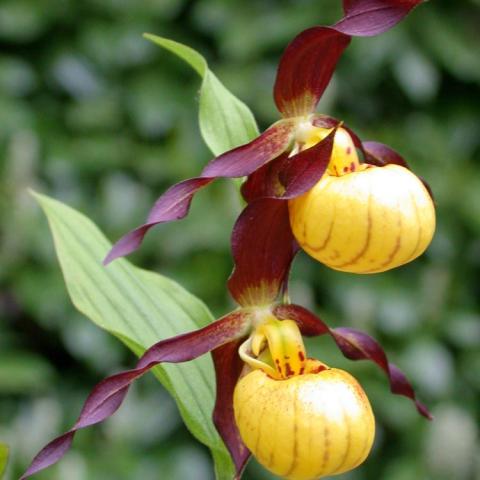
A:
{"x":261,"y":341}
{"x":292,"y":155}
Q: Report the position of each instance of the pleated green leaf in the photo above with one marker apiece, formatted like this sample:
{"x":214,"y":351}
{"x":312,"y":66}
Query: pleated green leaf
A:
{"x":4,"y":450}
{"x":225,"y":121}
{"x":140,"y":308}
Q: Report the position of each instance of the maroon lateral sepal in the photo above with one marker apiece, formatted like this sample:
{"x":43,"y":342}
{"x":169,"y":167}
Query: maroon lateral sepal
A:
{"x":263,"y":248}
{"x":108,"y":395}
{"x":174,"y":204}
{"x":228,"y":367}
{"x":366,"y":18}
{"x":244,"y":160}
{"x":354,"y":345}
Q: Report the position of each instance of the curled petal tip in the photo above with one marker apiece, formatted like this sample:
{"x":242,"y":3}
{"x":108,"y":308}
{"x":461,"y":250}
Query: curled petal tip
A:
{"x":354,"y":345}
{"x":108,"y":395}
{"x":367,"y":18}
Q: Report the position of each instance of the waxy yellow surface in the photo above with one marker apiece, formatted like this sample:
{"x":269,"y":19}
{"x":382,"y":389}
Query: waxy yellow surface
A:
{"x":367,"y":221}
{"x":307,"y":426}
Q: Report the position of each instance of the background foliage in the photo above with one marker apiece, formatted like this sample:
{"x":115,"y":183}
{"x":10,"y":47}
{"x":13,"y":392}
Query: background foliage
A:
{"x":98,"y":117}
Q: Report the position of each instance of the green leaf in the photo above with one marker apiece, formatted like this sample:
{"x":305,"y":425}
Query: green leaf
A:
{"x":4,"y":450}
{"x":225,"y":121}
{"x":140,"y":308}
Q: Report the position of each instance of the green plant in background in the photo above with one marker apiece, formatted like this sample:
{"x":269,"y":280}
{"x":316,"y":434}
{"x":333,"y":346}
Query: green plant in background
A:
{"x":3,"y":458}
{"x":301,"y":151}
{"x":343,"y":286}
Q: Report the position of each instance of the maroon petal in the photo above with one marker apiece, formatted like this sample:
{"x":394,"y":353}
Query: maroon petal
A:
{"x":306,"y":68}
{"x":265,"y":182}
{"x":379,"y":154}
{"x":306,"y":168}
{"x":309,"y":61}
{"x":310,"y":325}
{"x":366,"y":18}
{"x":228,"y":367}
{"x":263,"y":248}
{"x":244,"y":160}
{"x":288,"y":177}
{"x":354,"y":345}
{"x":108,"y":395}
{"x":174,"y":204}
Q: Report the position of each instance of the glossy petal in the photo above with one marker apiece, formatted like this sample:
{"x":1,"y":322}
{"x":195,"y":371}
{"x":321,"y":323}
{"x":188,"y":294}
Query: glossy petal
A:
{"x":244,"y":160}
{"x":354,"y":345}
{"x":265,"y":182}
{"x":379,"y":154}
{"x":228,"y":367}
{"x":305,"y":169}
{"x":108,"y":395}
{"x":174,"y":204}
{"x":306,"y":68}
{"x":366,"y":18}
{"x":263,"y":248}
{"x":288,"y":177}
{"x":309,"y":61}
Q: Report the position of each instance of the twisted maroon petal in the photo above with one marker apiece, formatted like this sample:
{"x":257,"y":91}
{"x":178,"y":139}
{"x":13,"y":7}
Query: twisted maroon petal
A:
{"x":379,"y":154}
{"x":308,"y":62}
{"x":244,"y":160}
{"x":228,"y":367}
{"x":107,"y":396}
{"x":354,"y":345}
{"x":174,"y":204}
{"x":366,"y":18}
{"x":263,"y":248}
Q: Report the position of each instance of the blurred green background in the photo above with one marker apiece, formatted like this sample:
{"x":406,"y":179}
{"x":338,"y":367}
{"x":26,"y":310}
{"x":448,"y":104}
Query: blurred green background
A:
{"x":93,"y":115}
